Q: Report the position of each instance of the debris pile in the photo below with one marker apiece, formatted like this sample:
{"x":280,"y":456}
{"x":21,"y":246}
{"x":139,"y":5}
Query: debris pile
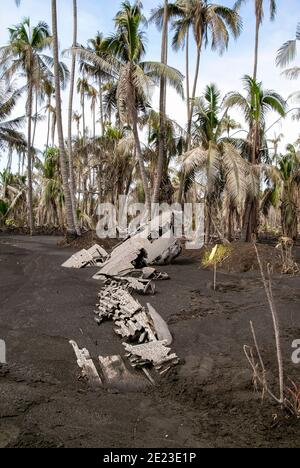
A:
{"x":152,"y":244}
{"x":146,"y":333}
{"x":147,"y":336}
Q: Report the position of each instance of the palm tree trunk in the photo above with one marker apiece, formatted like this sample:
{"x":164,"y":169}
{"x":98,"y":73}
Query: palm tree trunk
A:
{"x":94,"y":120}
{"x":53,"y":127}
{"x":193,"y":96}
{"x":187,"y":68}
{"x":29,"y":157}
{"x":190,"y":119}
{"x":251,"y":215}
{"x":162,"y":110}
{"x":63,"y":165}
{"x":256,"y":48}
{"x":101,"y":106}
{"x":49,"y":123}
{"x":140,"y":159}
{"x":35,"y":119}
{"x":70,"y":115}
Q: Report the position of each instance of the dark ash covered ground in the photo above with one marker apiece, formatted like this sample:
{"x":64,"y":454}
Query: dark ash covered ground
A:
{"x":208,"y":402}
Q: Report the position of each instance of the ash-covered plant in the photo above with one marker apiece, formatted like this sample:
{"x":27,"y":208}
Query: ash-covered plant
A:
{"x":215,"y":257}
{"x":285,"y":247}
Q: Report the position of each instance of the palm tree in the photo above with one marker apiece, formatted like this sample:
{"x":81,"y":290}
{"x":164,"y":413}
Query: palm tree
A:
{"x":97,"y":45}
{"x":82,"y":90}
{"x":255,"y":106}
{"x":217,"y":156}
{"x":77,"y":118}
{"x":49,"y":93}
{"x":51,"y":197}
{"x":211,"y":24}
{"x":71,"y":229}
{"x":174,"y":143}
{"x":133,"y":76}
{"x":24,"y":54}
{"x":70,"y":119}
{"x":162,"y":108}
{"x":259,"y":14}
{"x":92,"y":94}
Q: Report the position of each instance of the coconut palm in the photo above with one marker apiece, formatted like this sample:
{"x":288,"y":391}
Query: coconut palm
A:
{"x":49,"y":93}
{"x":134,"y":76}
{"x":24,"y":55}
{"x":162,"y":108}
{"x":97,"y":45}
{"x":255,"y":106}
{"x":174,"y":142}
{"x":71,"y":225}
{"x":211,"y":24}
{"x":83,"y":87}
{"x":217,"y":157}
{"x":259,"y":15}
{"x":50,"y":191}
{"x":70,"y":118}
{"x":77,"y":118}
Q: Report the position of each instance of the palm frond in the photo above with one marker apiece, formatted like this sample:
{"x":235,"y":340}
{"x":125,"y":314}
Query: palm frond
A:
{"x":286,"y":54}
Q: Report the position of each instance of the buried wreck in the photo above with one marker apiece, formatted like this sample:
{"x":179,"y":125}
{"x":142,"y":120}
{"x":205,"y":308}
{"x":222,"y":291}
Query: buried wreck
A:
{"x":146,"y":337}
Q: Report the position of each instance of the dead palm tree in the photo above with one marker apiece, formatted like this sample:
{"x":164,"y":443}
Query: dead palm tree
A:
{"x":259,"y":15}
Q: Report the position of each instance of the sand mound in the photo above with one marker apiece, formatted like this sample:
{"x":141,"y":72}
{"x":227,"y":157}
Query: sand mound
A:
{"x":88,"y":239}
{"x":241,"y":257}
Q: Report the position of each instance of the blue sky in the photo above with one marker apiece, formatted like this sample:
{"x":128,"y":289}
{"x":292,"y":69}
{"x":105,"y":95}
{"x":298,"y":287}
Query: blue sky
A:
{"x":225,"y":71}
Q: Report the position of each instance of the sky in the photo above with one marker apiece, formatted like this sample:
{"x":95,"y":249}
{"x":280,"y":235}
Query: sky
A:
{"x":226,"y":71}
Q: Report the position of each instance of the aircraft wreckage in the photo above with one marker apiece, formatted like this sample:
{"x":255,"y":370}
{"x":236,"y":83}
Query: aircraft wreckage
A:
{"x":129,"y":268}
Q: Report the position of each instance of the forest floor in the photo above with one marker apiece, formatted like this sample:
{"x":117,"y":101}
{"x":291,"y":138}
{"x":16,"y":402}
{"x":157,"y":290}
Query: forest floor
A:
{"x":207,"y":402}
